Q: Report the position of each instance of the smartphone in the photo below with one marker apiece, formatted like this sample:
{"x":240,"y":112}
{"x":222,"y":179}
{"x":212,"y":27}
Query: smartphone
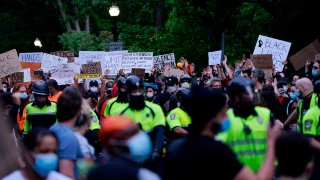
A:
{"x":38,"y":73}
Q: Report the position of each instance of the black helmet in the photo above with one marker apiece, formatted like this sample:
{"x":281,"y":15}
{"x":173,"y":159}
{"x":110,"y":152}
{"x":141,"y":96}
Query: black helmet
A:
{"x":239,"y":86}
{"x":94,"y":83}
{"x":134,"y":82}
{"x":41,"y":89}
{"x":121,"y":82}
{"x":183,"y":94}
{"x":185,"y":78}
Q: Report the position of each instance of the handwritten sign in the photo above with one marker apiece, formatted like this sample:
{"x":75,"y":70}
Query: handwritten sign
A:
{"x":142,"y":60}
{"x":89,"y":56}
{"x":17,"y":77}
{"x":26,"y":75}
{"x":66,"y":54}
{"x":299,"y":59}
{"x":278,"y":48}
{"x":92,"y":68}
{"x":9,"y":63}
{"x":32,"y":66}
{"x":64,"y":73}
{"x":49,"y":60}
{"x":174,"y":72}
{"x":88,"y":76}
{"x":31,"y":57}
{"x":111,"y":64}
{"x":161,"y":60}
{"x":214,"y":57}
{"x":262,"y":61}
{"x":138,"y":72}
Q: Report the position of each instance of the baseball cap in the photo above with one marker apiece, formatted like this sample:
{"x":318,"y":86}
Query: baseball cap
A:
{"x":172,"y":81}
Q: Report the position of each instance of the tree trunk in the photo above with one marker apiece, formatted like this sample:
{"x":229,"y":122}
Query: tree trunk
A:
{"x":76,"y":24}
{"x":64,"y":16}
{"x":88,"y":24}
{"x":159,"y":15}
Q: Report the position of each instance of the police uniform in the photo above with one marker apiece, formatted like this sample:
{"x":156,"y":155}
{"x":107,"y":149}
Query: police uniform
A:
{"x":94,"y":124}
{"x":311,"y":122}
{"x":301,"y":112}
{"x":178,"y":118}
{"x":112,"y":105}
{"x":32,"y":109}
{"x":250,"y":147}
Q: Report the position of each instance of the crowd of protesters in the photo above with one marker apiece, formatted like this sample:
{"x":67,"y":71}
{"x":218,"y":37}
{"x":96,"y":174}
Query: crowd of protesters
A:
{"x":226,"y":123}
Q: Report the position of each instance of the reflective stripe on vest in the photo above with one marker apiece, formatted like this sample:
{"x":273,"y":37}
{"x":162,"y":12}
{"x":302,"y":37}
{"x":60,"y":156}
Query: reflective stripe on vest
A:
{"x":313,"y":102}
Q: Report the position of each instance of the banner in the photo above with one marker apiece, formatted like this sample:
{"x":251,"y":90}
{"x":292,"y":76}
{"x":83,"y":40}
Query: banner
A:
{"x":143,"y":60}
{"x":299,"y":59}
{"x":214,"y":57}
{"x":278,"y":48}
{"x":64,"y":73}
{"x":88,"y":76}
{"x":9,"y":63}
{"x":138,"y":72}
{"x":264,"y":63}
{"x":31,"y":57}
{"x":67,"y":54}
{"x":49,"y":60}
{"x":92,"y":68}
{"x":160,"y":61}
{"x":32,"y":66}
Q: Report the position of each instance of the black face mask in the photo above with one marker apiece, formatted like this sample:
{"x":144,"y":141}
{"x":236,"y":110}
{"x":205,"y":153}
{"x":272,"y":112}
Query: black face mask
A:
{"x":136,"y":102}
{"x":122,"y":97}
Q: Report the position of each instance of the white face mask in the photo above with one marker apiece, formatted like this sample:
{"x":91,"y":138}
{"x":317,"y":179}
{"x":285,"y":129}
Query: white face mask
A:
{"x":150,"y":94}
{"x":4,"y":89}
{"x":285,"y":88}
{"x":93,"y":89}
{"x":185,"y":85}
{"x":171,"y":89}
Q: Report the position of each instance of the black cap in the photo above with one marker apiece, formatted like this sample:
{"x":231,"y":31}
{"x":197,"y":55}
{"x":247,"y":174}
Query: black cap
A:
{"x":93,"y":83}
{"x":134,"y":82}
{"x":239,"y":86}
{"x":121,"y":82}
{"x":41,"y":89}
{"x":172,"y":81}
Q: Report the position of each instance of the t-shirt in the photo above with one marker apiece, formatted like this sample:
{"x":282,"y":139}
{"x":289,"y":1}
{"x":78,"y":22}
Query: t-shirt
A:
{"x":69,"y":147}
{"x":55,"y":97}
{"x":86,"y":149}
{"x":53,"y":175}
{"x":201,"y":157}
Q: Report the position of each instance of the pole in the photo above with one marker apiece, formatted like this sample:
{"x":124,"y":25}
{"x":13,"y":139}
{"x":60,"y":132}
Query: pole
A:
{"x":114,"y":29}
{"x":222,"y":47}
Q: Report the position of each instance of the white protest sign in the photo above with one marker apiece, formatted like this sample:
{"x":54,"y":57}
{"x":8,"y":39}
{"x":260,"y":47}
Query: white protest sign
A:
{"x":31,"y":57}
{"x":89,"y":56}
{"x":49,"y":60}
{"x":161,"y":60}
{"x":64,"y":73}
{"x":278,"y":48}
{"x":112,"y":62}
{"x":214,"y":57}
{"x":9,"y":63}
{"x":142,"y":60}
{"x":26,"y":75}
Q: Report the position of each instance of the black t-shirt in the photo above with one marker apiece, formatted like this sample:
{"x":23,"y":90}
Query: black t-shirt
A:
{"x":202,"y":157}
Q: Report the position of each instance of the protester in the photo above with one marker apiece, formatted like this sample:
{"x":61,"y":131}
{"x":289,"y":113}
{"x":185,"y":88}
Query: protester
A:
{"x":151,"y":91}
{"x":215,"y":83}
{"x":185,"y":81}
{"x":316,"y":70}
{"x":200,"y":155}
{"x":40,"y":157}
{"x":5,"y":87}
{"x":68,"y":113}
{"x":21,"y":116}
{"x":257,"y":78}
{"x":54,"y":90}
{"x":126,"y":145}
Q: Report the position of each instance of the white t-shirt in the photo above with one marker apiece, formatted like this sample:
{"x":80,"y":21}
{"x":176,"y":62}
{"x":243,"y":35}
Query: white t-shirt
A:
{"x":53,"y":175}
{"x":86,"y":148}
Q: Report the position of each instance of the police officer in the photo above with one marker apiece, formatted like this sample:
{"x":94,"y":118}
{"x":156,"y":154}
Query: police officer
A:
{"x":148,"y":115}
{"x":185,"y":81}
{"x":40,"y":106}
{"x":120,"y":100}
{"x":178,"y":119}
{"x":248,"y":132}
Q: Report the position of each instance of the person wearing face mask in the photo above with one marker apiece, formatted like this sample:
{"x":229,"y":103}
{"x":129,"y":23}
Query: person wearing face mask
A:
{"x":24,"y":102}
{"x":117,"y":102}
{"x":294,"y":80}
{"x":249,"y":124}
{"x":151,"y":89}
{"x":189,"y":156}
{"x":178,"y":119}
{"x":93,"y":88}
{"x":316,"y":70}
{"x":307,"y":100}
{"x":54,"y":90}
{"x":163,"y":99}
{"x":185,"y":81}
{"x":148,"y":115}
{"x":126,"y":147}
{"x":40,"y":110}
{"x":293,"y":96}
{"x":5,"y":88}
{"x":41,"y":160}
{"x":257,"y":77}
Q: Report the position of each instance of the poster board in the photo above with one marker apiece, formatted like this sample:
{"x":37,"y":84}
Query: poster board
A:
{"x":299,"y":59}
{"x":138,"y":72}
{"x":89,"y":56}
{"x":214,"y":57}
{"x":160,"y":61}
{"x":26,"y":75}
{"x":32,"y":66}
{"x":31,"y":57}
{"x":91,"y":68}
{"x":66,"y":54}
{"x":278,"y":48}
{"x":9,"y":63}
{"x":174,"y":72}
{"x":142,"y":60}
{"x":49,"y":60}
{"x":88,"y":76}
{"x":17,"y":77}
{"x":263,"y":62}
{"x":112,"y":64}
{"x":64,"y":73}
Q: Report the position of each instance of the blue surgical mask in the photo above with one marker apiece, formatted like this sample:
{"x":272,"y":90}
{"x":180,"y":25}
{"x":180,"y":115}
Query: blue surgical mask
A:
{"x":315,"y":73}
{"x":293,"y":96}
{"x":24,"y":96}
{"x":225,"y":125}
{"x":45,"y":163}
{"x":140,"y":147}
{"x":298,"y":93}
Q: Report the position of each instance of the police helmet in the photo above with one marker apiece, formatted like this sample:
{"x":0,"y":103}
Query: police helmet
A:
{"x":238,"y":86}
{"x":41,"y":89}
{"x":93,"y":83}
{"x":134,"y":82}
{"x":185,"y":78}
{"x":183,"y":94}
{"x":121,"y":82}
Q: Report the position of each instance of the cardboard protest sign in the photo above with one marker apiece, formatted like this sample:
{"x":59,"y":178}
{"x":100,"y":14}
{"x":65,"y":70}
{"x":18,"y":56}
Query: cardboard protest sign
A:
{"x":143,"y":60}
{"x":31,"y":57}
{"x":214,"y":57}
{"x":26,"y":75}
{"x":138,"y":72}
{"x":66,"y":54}
{"x":64,"y":73}
{"x":17,"y":77}
{"x":278,"y":48}
{"x":91,"y":68}
{"x":263,"y":62}
{"x":160,"y":61}
{"x":174,"y":72}
{"x":9,"y":63}
{"x":32,"y":66}
{"x":299,"y":59}
{"x":89,"y":56}
{"x":49,"y":60}
{"x":317,"y":57}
